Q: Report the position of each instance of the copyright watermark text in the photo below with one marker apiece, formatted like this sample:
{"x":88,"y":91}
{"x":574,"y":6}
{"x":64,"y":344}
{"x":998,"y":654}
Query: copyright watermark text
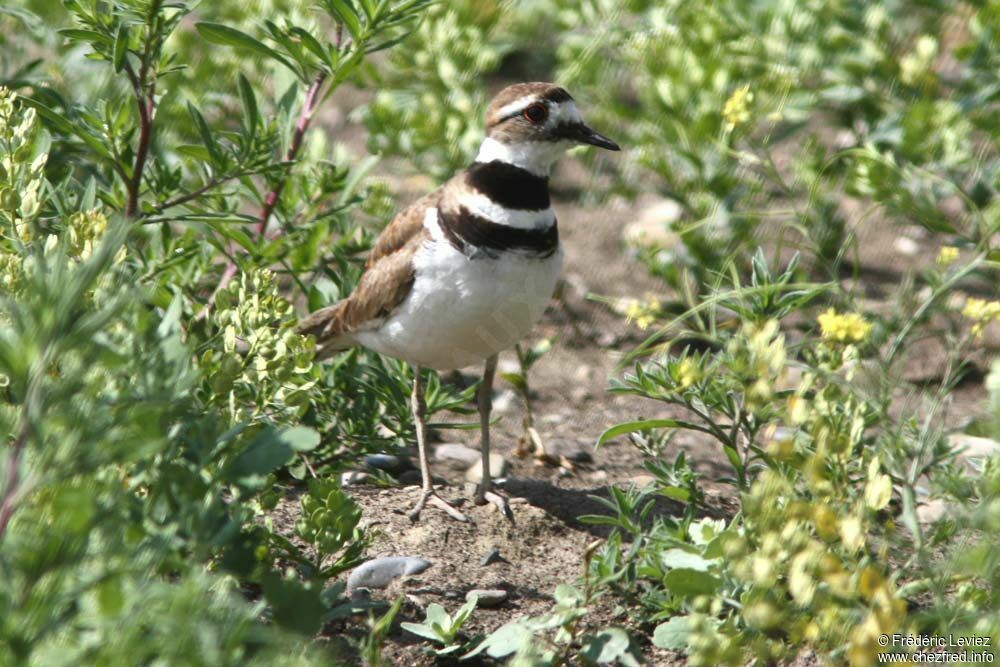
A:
{"x":927,"y":649}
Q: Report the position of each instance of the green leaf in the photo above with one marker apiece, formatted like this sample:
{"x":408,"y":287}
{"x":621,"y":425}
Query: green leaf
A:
{"x":436,"y":615}
{"x":505,"y":640}
{"x":733,"y":456}
{"x":251,"y":116}
{"x":607,"y":646}
{"x":515,"y":379}
{"x":421,"y":630}
{"x":206,"y":134}
{"x":346,"y":15}
{"x":673,"y":634}
{"x":631,"y":427}
{"x":121,"y":47}
{"x":266,"y":453}
{"x":89,"y":36}
{"x":300,"y":438}
{"x":679,"y":558}
{"x":688,"y":582}
{"x":226,"y":36}
{"x":294,"y":605}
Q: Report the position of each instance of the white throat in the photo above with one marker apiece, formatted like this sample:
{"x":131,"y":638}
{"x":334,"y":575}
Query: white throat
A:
{"x":534,"y":156}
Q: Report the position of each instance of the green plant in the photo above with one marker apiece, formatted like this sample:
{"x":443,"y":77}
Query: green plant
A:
{"x":155,"y":394}
{"x":555,"y":637}
{"x":530,"y":441}
{"x":442,"y":628}
{"x":371,"y":645}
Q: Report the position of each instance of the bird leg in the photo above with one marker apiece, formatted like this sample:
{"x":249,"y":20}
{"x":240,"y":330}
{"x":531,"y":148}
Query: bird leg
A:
{"x":428,"y":494}
{"x":484,"y":493}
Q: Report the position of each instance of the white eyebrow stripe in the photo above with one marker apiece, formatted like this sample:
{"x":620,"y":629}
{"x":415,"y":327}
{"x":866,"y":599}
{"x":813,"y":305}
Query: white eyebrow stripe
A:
{"x":517,"y":106}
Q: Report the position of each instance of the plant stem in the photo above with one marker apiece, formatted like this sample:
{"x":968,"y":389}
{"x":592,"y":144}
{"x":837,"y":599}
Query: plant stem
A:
{"x":12,"y":484}
{"x":305,"y":117}
{"x":145,"y":100}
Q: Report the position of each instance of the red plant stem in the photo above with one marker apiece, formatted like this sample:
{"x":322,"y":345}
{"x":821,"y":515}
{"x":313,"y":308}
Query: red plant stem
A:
{"x":305,"y":117}
{"x":12,"y":483}
{"x":141,"y":152}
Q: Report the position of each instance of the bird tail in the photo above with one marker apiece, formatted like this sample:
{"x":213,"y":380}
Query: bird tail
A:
{"x":325,"y":326}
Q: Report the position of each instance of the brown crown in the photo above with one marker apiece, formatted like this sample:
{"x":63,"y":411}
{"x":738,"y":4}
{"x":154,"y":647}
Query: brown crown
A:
{"x":538,"y":89}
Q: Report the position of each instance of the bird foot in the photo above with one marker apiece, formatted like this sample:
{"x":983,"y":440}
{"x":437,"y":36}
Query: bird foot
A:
{"x":497,"y":499}
{"x":431,"y":496}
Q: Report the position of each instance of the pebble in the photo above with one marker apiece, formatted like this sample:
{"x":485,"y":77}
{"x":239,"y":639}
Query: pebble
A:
{"x":503,"y":401}
{"x":387,"y":462}
{"x":379,"y":572}
{"x":644,"y":481}
{"x":492,"y":556}
{"x":498,"y":468}
{"x":353,"y":478}
{"x":932,"y":510}
{"x":577,"y":451}
{"x":906,"y":246}
{"x":973,"y":447}
{"x":456,"y":452}
{"x":414,"y":478}
{"x":652,"y":227}
{"x":488,"y":597}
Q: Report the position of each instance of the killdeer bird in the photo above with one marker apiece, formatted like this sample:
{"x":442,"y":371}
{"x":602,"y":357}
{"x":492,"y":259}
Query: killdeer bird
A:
{"x":468,"y":269}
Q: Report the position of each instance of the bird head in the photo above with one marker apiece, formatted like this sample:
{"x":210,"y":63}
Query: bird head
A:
{"x":532,"y":124}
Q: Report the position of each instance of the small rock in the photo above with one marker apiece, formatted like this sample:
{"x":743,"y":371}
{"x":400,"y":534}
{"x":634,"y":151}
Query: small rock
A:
{"x":456,"y":452}
{"x":644,"y":481}
{"x":487,"y":597}
{"x":599,"y":476}
{"x":504,"y":400}
{"x":607,"y":339}
{"x":387,"y":462}
{"x":380,"y":572}
{"x":931,"y":511}
{"x":414,"y":478}
{"x":492,"y":556}
{"x":498,"y":468}
{"x":906,"y":246}
{"x":353,"y":478}
{"x":575,"y":451}
{"x":973,"y":447}
{"x":508,"y":365}
{"x":652,"y":227}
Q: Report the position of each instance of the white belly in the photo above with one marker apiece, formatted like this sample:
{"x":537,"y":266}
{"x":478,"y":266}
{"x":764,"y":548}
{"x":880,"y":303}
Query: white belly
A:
{"x":460,"y":310}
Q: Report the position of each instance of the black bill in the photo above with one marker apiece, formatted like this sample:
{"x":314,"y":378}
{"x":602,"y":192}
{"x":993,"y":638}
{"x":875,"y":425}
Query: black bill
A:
{"x":584,"y":134}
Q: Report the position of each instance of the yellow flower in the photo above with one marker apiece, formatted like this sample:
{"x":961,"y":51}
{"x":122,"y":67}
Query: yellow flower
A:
{"x":736,"y":110}
{"x":981,"y":312}
{"x":843,"y":328}
{"x":643,"y":314}
{"x":687,"y":373}
{"x":947,"y":255}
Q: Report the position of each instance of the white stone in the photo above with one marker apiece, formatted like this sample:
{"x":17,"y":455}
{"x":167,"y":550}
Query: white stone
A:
{"x":456,"y":452}
{"x":498,"y":468}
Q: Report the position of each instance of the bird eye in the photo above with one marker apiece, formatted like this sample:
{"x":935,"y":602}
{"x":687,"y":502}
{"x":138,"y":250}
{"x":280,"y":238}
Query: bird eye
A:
{"x":536,"y":113}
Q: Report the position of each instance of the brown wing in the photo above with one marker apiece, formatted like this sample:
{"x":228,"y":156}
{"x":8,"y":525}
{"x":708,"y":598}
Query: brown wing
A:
{"x":403,"y":227}
{"x":386,"y":282}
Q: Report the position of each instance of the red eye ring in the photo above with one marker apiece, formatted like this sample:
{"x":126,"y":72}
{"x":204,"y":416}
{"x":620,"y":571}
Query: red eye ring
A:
{"x":536,"y":113}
